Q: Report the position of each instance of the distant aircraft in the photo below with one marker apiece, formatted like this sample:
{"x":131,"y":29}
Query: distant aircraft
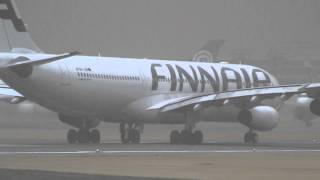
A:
{"x":209,"y":52}
{"x":87,"y":90}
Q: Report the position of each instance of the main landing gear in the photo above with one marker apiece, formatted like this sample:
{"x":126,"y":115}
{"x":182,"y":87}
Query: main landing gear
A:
{"x":83,"y":135}
{"x":251,"y":137}
{"x":186,"y":137}
{"x":130,"y":132}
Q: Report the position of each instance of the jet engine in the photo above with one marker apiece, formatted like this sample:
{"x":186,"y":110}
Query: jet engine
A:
{"x":23,"y":71}
{"x":315,"y":107}
{"x":302,"y":109}
{"x":261,"y":118}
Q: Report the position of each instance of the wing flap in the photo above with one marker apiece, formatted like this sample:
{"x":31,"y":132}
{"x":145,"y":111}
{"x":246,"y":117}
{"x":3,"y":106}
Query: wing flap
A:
{"x":7,"y":91}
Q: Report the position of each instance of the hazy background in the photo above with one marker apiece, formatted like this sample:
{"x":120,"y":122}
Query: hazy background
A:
{"x":257,"y":32}
{"x":174,"y":29}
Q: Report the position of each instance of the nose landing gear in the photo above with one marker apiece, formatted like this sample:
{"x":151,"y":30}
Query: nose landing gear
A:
{"x":83,"y":135}
{"x":251,"y":137}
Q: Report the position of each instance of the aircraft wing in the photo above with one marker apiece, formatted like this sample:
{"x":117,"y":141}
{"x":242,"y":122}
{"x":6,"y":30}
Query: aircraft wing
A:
{"x":7,"y":91}
{"x":243,"y":97}
{"x":25,"y":61}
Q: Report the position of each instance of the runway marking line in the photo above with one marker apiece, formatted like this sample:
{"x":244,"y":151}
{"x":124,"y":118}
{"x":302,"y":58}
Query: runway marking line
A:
{"x":163,"y":152}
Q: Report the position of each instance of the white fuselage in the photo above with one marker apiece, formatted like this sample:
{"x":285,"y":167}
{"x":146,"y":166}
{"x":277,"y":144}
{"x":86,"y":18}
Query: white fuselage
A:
{"x":112,"y":89}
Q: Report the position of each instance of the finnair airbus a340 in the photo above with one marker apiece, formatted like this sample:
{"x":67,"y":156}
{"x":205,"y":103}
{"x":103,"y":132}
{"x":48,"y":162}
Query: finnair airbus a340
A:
{"x":86,"y":90}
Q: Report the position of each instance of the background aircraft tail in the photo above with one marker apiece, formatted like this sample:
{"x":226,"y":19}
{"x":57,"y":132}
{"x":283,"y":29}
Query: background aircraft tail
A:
{"x":209,"y":52}
{"x":14,"y":36}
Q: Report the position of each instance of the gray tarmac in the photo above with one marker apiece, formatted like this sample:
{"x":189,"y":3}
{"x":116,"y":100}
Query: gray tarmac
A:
{"x":155,"y":148}
{"x":47,"y":175}
{"x":43,"y":133}
{"x":36,"y":142}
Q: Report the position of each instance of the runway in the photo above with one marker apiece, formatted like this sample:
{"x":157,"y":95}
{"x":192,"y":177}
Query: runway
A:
{"x":219,"y":160}
{"x":153,"y":148}
{"x":291,"y":151}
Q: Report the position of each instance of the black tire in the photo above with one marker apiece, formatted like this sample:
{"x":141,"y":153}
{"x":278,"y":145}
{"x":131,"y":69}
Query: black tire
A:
{"x":254,"y":138}
{"x":175,"y":137}
{"x":95,"y":136}
{"x":72,"y":136}
{"x":134,"y":136}
{"x":251,"y":138}
{"x":198,"y":137}
{"x":247,"y":138}
{"x":122,"y":128}
{"x":124,"y":140}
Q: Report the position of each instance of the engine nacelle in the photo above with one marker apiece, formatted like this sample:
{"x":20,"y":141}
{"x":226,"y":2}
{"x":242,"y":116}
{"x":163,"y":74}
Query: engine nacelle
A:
{"x":79,"y":122}
{"x":23,"y":71}
{"x":261,"y":118}
{"x":302,"y":110}
{"x":315,"y":107}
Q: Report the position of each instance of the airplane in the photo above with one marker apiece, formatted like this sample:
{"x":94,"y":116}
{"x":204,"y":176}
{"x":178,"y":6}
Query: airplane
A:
{"x":87,"y":90}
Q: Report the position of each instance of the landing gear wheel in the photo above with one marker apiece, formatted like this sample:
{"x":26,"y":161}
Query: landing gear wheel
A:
{"x":95,"y":136}
{"x":175,"y":137}
{"x":123,"y":132}
{"x":124,"y":140}
{"x":197,"y":137}
{"x":251,"y":138}
{"x":246,"y":137}
{"x":72,"y":136}
{"x":186,"y":137}
{"x":255,"y":138}
{"x":130,"y":133}
{"x":134,"y":136}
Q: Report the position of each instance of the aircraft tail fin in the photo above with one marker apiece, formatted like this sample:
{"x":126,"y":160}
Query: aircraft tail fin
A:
{"x":14,"y":36}
{"x":209,"y":52}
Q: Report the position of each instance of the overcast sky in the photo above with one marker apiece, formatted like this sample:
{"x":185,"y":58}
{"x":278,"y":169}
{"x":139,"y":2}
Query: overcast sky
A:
{"x":174,"y":29}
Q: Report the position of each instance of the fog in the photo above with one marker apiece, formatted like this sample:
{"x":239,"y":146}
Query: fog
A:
{"x":174,"y":29}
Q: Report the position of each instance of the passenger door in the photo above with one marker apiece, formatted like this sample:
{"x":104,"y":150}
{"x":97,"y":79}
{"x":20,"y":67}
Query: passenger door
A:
{"x":65,"y":75}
